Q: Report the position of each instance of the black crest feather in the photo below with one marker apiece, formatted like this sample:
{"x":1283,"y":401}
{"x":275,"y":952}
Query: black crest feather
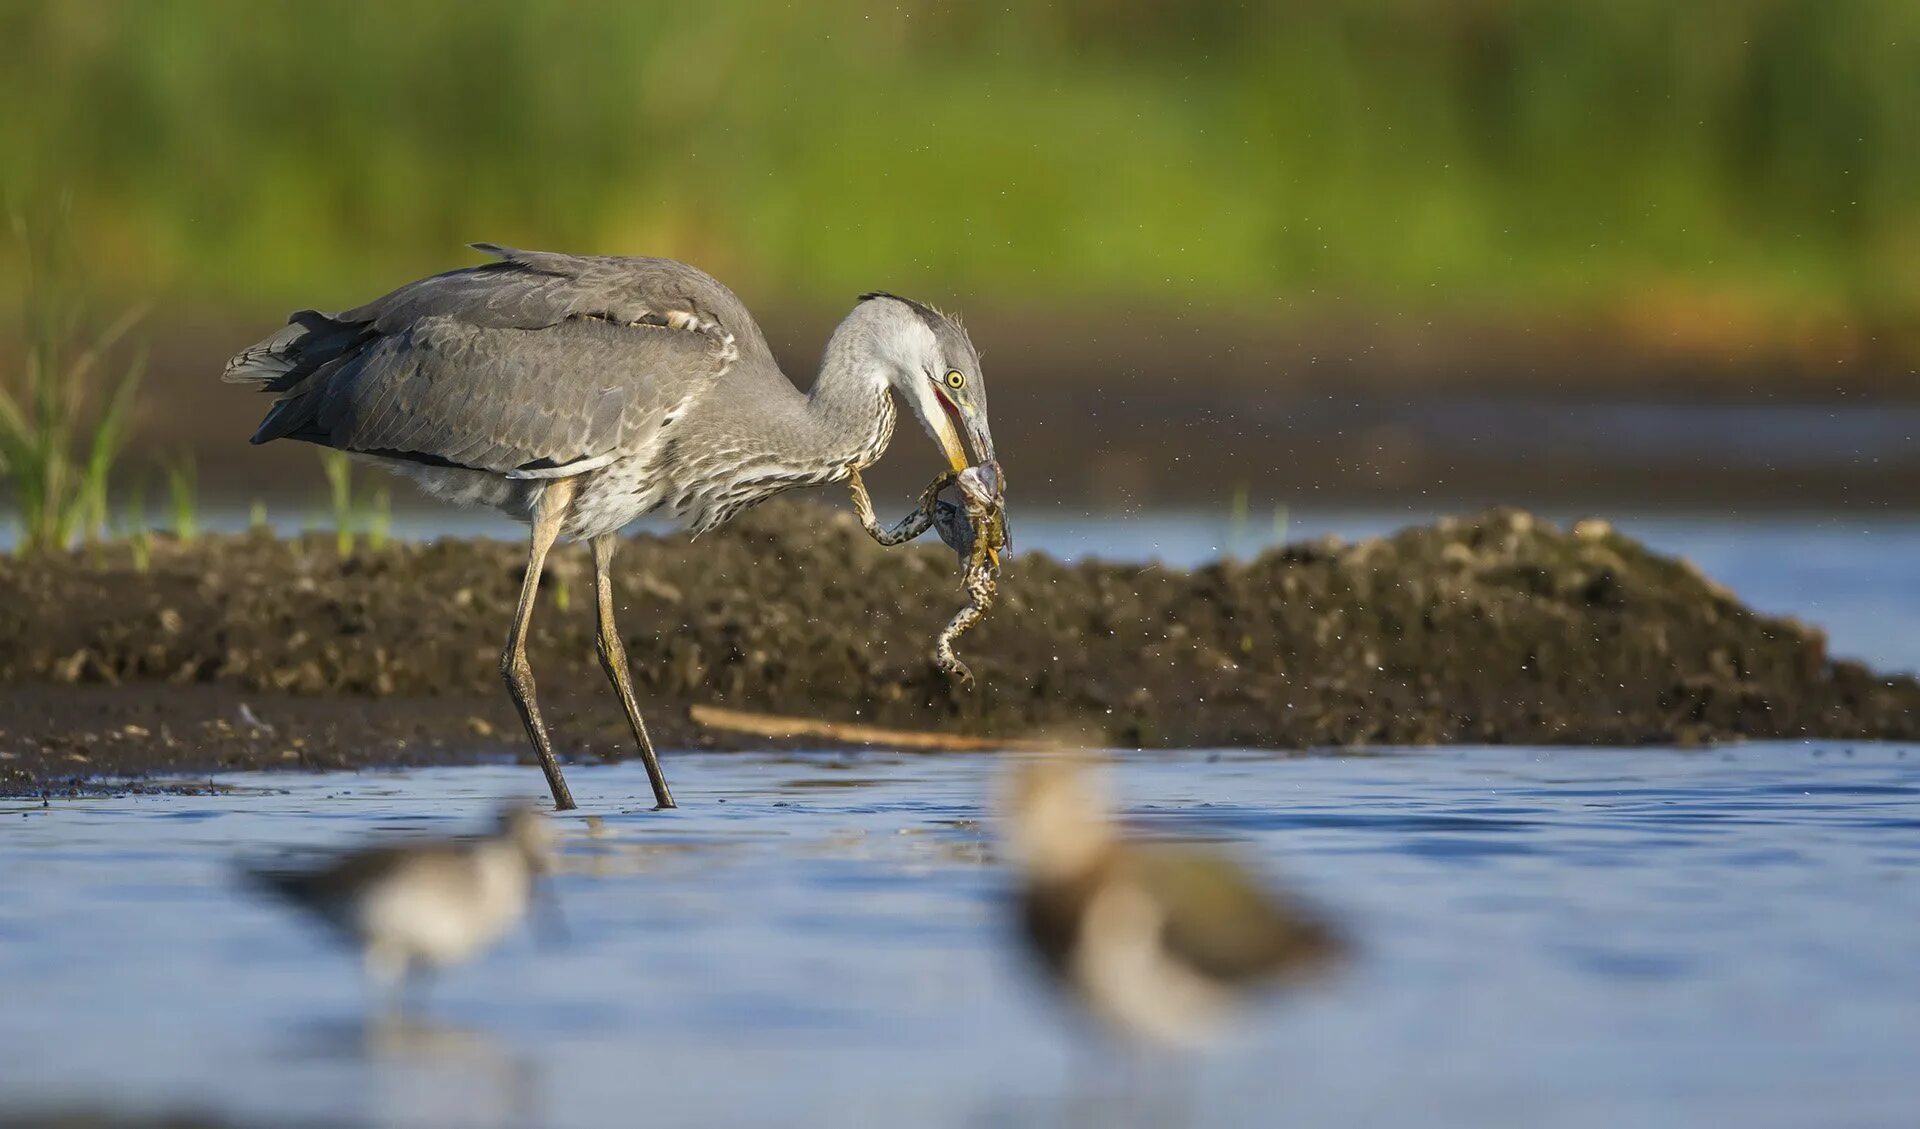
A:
{"x":927,"y":313}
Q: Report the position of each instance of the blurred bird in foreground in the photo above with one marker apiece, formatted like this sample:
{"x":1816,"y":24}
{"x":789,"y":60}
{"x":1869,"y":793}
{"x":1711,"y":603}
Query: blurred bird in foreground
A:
{"x":1157,"y":941}
{"x":416,"y":906}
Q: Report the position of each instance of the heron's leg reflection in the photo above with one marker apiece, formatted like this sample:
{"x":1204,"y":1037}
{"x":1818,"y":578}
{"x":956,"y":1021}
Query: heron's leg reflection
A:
{"x":613,"y":659}
{"x":907,"y":528}
{"x":549,"y":512}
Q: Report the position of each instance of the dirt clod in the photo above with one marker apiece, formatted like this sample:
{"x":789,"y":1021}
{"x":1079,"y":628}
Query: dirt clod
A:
{"x":1496,"y":628}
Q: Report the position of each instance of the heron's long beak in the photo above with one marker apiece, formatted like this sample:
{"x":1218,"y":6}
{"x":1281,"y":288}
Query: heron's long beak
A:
{"x":951,"y":446}
{"x":973,"y":424}
{"x":982,"y":440}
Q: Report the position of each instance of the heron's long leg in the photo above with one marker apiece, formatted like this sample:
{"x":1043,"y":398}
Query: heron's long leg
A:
{"x":907,"y":528}
{"x":613,"y":658}
{"x":549,"y":513}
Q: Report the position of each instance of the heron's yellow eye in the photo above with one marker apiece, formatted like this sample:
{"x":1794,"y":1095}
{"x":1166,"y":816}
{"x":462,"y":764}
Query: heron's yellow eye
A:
{"x":955,"y":379}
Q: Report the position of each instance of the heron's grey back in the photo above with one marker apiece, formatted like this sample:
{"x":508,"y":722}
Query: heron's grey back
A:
{"x":535,"y":362}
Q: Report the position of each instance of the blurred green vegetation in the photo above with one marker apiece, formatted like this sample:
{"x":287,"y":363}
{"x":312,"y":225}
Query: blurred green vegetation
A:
{"x":1752,"y":156}
{"x":65,"y":398}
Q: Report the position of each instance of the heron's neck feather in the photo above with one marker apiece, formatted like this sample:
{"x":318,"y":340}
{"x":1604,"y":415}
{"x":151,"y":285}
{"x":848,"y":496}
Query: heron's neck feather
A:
{"x":850,"y":408}
{"x":766,"y":436}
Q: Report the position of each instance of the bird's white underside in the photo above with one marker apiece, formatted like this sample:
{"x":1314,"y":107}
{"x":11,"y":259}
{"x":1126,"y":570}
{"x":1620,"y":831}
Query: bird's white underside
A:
{"x":440,"y":915}
{"x":1128,"y":978}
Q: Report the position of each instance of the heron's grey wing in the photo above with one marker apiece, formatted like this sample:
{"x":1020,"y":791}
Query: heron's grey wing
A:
{"x":513,"y":401}
{"x":536,"y":289}
{"x":535,"y":362}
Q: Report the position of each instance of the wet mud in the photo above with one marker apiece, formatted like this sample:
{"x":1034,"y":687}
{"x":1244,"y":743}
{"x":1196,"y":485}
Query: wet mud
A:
{"x":255,"y":652}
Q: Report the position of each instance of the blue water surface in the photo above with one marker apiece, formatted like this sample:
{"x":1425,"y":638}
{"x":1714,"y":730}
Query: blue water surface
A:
{"x":1549,"y":938}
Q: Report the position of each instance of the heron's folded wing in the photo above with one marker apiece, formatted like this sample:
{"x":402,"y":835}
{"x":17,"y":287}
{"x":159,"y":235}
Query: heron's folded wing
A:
{"x":532,"y":364}
{"x":536,"y":289}
{"x":442,"y":390}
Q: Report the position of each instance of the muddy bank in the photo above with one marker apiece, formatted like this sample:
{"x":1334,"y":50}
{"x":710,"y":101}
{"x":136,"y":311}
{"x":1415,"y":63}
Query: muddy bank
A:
{"x":1498,"y":628}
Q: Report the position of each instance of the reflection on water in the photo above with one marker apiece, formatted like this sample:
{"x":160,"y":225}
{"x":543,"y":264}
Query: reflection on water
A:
{"x":422,"y":1072}
{"x":1550,"y":938}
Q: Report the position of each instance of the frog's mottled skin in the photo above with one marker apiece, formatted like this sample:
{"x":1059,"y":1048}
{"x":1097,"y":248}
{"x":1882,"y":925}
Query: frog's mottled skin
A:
{"x":975,"y":528}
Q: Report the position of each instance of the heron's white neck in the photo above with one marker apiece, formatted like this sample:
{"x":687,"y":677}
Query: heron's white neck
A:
{"x":850,"y":406}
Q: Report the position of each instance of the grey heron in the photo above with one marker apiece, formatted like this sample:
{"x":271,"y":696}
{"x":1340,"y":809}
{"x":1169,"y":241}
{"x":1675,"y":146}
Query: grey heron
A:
{"x":576,"y":393}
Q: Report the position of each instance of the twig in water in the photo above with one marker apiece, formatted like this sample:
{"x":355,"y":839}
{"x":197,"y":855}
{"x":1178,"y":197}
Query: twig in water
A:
{"x":854,"y":733}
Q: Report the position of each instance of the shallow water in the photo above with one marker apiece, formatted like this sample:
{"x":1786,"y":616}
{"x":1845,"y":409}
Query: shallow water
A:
{"x":1550,"y":938}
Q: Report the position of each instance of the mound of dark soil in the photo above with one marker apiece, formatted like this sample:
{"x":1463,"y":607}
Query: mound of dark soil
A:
{"x":1499,"y":628}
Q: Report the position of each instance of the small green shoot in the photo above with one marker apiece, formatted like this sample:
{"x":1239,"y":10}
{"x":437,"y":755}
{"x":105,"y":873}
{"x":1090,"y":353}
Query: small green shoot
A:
{"x":132,"y":526}
{"x":183,"y":497}
{"x":339,"y":472}
{"x":379,"y":518}
{"x":1237,"y":520}
{"x":369,"y":512}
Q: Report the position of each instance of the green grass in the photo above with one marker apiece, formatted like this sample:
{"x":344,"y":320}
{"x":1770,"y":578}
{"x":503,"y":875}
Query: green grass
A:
{"x":1237,"y":521}
{"x":183,"y":497}
{"x":1752,"y":156}
{"x":64,"y":404}
{"x":131,"y":527}
{"x":355,"y":512}
{"x":339,"y":471}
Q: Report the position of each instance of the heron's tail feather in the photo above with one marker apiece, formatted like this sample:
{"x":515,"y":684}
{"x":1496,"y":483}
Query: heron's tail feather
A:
{"x":266,"y":362}
{"x":310,"y":340}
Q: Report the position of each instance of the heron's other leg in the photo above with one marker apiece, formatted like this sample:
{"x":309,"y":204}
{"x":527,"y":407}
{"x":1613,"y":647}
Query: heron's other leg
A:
{"x":613,"y":658}
{"x":548,"y":515}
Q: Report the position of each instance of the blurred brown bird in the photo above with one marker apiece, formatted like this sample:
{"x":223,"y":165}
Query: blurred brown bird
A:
{"x":1157,"y":941}
{"x":416,"y":906}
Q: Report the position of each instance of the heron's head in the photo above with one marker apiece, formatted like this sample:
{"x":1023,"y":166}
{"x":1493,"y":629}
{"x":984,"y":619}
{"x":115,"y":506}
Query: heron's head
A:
{"x":933,"y":366}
